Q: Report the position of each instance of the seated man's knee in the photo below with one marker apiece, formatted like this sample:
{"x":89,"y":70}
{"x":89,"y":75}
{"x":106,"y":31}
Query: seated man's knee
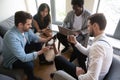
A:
{"x":58,"y":58}
{"x":59,"y":35}
{"x":29,"y":65}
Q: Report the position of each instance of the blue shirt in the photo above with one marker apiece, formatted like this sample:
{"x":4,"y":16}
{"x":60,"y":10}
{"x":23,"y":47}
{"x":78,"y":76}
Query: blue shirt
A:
{"x":14,"y":44}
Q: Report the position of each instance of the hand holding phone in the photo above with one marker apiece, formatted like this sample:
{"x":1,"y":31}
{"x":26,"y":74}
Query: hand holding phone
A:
{"x":72,"y":39}
{"x":44,"y":49}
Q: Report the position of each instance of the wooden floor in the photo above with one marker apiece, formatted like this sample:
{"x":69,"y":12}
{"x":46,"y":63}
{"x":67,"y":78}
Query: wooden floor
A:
{"x":44,"y":71}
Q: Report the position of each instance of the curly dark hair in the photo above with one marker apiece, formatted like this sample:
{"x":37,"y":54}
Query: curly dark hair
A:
{"x":80,"y":3}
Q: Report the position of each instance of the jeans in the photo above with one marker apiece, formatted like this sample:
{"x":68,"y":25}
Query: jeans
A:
{"x":81,"y":58}
{"x":26,"y":66}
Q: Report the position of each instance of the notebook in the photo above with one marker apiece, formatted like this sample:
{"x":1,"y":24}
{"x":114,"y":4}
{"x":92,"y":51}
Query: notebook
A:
{"x":65,"y":31}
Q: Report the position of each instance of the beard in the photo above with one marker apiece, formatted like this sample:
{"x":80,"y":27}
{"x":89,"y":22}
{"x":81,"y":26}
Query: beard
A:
{"x":91,"y":34}
{"x":25,"y":29}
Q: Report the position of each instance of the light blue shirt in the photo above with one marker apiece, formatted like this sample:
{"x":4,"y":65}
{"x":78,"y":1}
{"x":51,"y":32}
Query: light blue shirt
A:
{"x":14,"y":45}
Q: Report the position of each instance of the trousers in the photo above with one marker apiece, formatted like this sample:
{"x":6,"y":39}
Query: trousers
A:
{"x":26,"y":66}
{"x":62,"y":64}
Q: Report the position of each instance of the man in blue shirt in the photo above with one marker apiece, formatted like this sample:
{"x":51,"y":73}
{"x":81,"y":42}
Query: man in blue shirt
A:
{"x":14,"y":45}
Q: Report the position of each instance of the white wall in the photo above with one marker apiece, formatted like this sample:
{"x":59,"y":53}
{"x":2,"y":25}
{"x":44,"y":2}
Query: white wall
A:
{"x":9,"y":7}
{"x":68,"y":5}
{"x":88,"y":4}
{"x":31,"y":6}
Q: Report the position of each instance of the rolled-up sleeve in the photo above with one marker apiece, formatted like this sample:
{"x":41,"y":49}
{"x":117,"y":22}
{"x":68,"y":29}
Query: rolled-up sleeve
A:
{"x":82,"y":49}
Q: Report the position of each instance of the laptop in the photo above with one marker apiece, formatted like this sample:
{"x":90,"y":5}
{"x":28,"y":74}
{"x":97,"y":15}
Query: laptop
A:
{"x":65,"y":31}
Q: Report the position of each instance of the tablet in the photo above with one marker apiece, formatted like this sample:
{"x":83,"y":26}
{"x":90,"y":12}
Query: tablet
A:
{"x":65,"y":31}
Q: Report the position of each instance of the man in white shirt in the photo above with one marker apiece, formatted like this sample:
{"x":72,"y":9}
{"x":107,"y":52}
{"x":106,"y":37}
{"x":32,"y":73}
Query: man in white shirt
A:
{"x":99,"y":54}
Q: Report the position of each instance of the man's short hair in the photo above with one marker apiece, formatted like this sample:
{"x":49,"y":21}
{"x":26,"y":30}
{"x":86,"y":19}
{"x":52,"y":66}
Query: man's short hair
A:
{"x":98,"y":18}
{"x":80,"y":3}
{"x":21,"y":17}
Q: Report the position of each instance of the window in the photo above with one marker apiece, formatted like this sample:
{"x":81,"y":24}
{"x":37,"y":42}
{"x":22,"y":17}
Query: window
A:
{"x":31,"y":9}
{"x":38,"y":2}
{"x":59,"y":10}
{"x":33,"y":5}
{"x":111,"y":9}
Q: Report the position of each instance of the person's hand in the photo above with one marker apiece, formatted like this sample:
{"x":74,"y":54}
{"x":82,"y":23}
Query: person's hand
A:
{"x":72,"y":39}
{"x":49,"y":38}
{"x":47,"y":32}
{"x":44,"y":49}
{"x":76,"y":33}
{"x":43,"y":30}
{"x":45,"y":39}
{"x":79,"y":71}
{"x":39,"y":31}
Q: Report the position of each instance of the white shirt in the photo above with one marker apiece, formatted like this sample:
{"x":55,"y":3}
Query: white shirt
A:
{"x":99,"y":58}
{"x":24,"y":37}
{"x":77,"y":25}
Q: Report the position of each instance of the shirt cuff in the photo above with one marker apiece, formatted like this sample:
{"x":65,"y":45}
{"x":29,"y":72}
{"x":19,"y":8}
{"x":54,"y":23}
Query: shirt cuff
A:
{"x":35,"y":55}
{"x":77,"y":44}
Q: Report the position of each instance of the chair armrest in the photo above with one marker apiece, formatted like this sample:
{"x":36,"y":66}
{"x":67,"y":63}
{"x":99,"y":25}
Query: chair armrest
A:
{"x":114,"y":72}
{"x":17,"y":74}
{"x":4,"y":77}
{"x":61,"y":75}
